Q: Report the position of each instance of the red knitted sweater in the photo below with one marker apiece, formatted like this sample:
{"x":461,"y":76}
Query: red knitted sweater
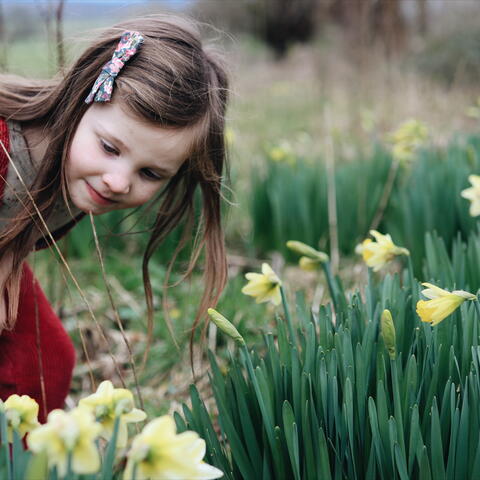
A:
{"x":37,"y":357}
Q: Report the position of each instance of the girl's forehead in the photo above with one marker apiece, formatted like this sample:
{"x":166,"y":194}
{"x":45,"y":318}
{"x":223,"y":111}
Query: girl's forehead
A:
{"x":137,"y":137}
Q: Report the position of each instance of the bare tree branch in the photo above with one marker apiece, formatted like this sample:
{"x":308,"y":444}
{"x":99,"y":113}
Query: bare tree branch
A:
{"x":59,"y":34}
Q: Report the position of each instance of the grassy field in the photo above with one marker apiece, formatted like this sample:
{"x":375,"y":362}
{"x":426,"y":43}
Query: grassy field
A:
{"x":318,"y":92}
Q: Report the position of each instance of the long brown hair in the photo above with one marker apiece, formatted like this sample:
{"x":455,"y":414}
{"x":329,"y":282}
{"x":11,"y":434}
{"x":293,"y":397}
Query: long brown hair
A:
{"x":172,"y":81}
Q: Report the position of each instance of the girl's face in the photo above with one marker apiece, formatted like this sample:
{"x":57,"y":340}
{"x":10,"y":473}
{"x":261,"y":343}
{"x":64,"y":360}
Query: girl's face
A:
{"x":117,"y":161}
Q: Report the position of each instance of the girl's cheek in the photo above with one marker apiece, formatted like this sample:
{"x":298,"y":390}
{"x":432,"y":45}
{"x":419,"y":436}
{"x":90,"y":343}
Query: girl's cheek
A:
{"x":146,"y":195}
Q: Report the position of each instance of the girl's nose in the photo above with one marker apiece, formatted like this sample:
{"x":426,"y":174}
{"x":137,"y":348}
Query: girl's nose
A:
{"x":117,"y":182}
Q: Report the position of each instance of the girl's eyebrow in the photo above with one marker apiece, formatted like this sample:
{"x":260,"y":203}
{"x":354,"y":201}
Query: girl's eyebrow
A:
{"x":113,"y":138}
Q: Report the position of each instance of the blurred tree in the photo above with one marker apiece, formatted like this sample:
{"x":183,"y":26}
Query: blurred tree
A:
{"x":422,"y":24}
{"x":366,"y":21}
{"x":52,"y":11}
{"x":59,"y":34}
{"x":389,"y":24}
{"x":20,"y":23}
{"x":281,"y":23}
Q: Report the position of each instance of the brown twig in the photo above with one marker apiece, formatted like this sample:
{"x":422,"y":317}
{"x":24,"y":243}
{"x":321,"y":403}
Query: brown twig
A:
{"x":59,"y":34}
{"x":387,"y":191}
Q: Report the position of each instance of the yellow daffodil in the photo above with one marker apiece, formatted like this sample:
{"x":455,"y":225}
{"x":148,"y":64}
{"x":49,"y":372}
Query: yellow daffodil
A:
{"x":473,"y":194}
{"x":265,"y":286}
{"x":440,"y":304}
{"x":21,"y":413}
{"x":68,"y":433}
{"x":379,"y":252}
{"x":108,"y":403}
{"x":283,"y":153}
{"x":407,"y":138}
{"x":160,"y":453}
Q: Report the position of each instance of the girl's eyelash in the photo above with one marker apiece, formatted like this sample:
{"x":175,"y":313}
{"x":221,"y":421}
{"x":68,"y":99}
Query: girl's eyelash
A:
{"x":151,"y":175}
{"x":108,"y":148}
{"x":146,"y":172}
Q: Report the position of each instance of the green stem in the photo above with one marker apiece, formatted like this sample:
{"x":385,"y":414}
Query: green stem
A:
{"x":69,"y":475}
{"x":107,"y":470}
{"x":411,"y":276}
{"x":291,"y":330}
{"x":331,"y":284}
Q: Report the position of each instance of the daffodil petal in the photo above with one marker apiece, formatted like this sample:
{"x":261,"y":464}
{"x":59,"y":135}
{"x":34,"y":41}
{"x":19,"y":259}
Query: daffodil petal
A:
{"x":86,"y":459}
{"x":432,"y":291}
{"x":436,"y":310}
{"x":136,"y":415}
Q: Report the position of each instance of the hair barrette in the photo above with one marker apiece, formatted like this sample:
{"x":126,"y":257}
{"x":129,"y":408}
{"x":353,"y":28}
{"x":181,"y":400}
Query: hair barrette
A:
{"x":127,"y":47}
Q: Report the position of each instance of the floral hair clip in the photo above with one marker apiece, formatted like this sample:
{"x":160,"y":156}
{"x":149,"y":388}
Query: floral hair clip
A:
{"x":127,"y":47}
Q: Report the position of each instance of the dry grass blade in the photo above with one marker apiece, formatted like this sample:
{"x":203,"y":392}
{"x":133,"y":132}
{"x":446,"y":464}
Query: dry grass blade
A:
{"x":115,"y":310}
{"x":387,"y":191}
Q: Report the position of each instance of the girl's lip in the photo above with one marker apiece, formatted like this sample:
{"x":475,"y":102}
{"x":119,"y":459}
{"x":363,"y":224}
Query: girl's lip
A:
{"x":97,"y":197}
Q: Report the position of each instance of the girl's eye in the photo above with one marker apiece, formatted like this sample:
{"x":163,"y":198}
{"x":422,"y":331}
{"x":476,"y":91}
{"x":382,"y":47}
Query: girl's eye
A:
{"x":108,"y":148}
{"x":151,"y":174}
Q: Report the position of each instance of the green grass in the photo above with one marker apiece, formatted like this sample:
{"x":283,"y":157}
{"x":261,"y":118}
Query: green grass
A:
{"x":270,"y":103}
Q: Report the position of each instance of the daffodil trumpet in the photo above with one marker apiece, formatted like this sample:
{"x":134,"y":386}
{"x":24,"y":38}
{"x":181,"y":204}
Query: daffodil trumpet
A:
{"x":264,"y":287}
{"x":440,"y":303}
{"x":109,"y":403}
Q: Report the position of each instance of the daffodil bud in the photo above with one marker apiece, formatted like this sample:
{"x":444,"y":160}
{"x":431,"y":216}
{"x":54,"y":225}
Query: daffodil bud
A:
{"x":308,"y":264}
{"x":388,"y":333}
{"x":304,"y":249}
{"x":225,"y":326}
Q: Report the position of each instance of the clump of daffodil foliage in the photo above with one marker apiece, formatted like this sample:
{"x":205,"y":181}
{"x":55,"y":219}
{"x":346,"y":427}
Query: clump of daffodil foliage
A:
{"x":406,"y":184}
{"x":383,"y":382}
{"x":67,"y":446}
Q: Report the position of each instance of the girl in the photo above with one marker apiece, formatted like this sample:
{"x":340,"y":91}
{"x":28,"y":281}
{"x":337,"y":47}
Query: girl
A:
{"x":138,"y":118}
